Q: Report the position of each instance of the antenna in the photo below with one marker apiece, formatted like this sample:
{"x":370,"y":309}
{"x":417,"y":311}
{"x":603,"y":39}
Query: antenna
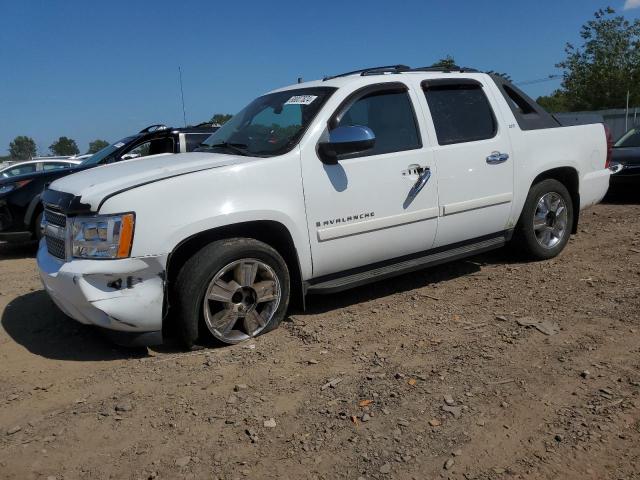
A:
{"x":184,"y":113}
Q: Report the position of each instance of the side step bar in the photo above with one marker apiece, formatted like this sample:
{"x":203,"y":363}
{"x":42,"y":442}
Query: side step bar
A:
{"x":391,"y":270}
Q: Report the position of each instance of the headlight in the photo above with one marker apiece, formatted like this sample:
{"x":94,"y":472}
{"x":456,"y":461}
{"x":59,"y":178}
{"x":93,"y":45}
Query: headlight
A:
{"x":9,"y":187}
{"x":102,"y":236}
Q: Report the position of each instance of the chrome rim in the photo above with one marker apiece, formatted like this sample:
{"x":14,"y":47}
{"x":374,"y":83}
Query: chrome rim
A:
{"x":241,"y":300}
{"x":550,"y":220}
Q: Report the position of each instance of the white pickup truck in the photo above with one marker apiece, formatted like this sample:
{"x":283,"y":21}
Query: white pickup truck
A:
{"x":315,"y":188}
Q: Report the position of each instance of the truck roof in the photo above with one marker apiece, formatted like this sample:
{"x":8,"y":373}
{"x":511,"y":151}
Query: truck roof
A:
{"x":346,"y":78}
{"x":528,"y":114}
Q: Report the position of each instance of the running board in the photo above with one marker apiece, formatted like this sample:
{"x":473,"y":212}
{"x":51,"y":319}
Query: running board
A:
{"x":374,"y":274}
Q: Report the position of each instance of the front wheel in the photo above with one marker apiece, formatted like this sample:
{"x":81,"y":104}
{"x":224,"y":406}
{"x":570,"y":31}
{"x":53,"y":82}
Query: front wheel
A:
{"x":37,"y":227}
{"x":545,"y":224}
{"x":232,"y":289}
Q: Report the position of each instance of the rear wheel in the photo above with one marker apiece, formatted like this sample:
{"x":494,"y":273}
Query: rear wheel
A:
{"x":545,"y":224}
{"x":232,"y":290}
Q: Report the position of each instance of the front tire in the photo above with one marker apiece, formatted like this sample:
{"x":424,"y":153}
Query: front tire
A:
{"x":232,"y":290}
{"x":546,"y":220}
{"x":37,"y":229}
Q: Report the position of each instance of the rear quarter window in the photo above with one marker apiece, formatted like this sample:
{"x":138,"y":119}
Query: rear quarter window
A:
{"x":193,"y":140}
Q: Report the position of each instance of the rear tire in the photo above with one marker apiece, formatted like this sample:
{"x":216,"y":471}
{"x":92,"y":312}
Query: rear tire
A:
{"x":545,"y":223}
{"x":231,"y":290}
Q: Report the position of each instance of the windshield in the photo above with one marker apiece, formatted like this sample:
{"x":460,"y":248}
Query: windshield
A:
{"x":270,"y":125}
{"x":629,"y":139}
{"x":101,"y":155}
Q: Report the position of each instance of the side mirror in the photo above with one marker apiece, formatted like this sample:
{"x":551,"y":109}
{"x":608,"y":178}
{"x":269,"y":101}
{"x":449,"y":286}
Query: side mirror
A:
{"x":343,"y":140}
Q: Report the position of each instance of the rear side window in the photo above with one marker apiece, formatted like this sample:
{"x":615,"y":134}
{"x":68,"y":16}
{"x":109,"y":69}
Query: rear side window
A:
{"x":460,"y":113}
{"x":54,"y":166}
{"x":20,"y":170}
{"x":391,"y":118}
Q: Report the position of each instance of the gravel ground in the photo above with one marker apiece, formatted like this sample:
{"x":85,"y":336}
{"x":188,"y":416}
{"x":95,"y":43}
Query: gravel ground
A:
{"x":488,"y":368}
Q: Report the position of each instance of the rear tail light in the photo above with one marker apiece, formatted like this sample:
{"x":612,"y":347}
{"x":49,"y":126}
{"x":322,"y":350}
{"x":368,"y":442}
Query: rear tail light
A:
{"x":607,"y":132}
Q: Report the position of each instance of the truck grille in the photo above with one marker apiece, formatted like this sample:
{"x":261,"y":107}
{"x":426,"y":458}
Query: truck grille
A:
{"x":55,"y":218}
{"x":55,"y":237}
{"x":56,"y":247}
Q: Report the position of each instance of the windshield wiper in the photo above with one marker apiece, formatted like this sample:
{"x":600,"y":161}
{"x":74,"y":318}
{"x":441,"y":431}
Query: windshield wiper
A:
{"x":239,"y":148}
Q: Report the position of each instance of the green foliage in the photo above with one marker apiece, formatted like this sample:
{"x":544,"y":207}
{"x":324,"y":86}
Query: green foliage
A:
{"x":554,"y":103}
{"x":220,"y":118}
{"x":22,"y":148}
{"x":97,"y":145}
{"x":598,"y":74}
{"x":446,"y":62}
{"x":64,"y":146}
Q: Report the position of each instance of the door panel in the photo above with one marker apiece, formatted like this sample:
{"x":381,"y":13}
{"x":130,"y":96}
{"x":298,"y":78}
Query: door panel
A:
{"x":360,"y":211}
{"x":475,"y":173}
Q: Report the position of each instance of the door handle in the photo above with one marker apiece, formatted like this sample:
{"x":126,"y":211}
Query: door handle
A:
{"x":497,"y":157}
{"x":423,"y":178}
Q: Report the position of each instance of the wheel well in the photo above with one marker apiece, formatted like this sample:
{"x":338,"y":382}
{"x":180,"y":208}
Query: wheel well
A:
{"x":34,"y":217}
{"x":569,"y":178}
{"x":272,"y":233}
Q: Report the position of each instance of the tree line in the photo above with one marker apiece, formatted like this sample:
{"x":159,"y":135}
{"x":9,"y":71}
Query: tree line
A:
{"x":24,"y":148}
{"x":602,"y":73}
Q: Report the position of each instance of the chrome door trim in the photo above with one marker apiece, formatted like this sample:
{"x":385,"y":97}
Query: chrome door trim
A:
{"x":476,"y":203}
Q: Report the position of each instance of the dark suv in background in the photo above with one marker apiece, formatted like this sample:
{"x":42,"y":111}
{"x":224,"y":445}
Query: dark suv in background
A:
{"x":626,"y":152}
{"x":20,"y":207}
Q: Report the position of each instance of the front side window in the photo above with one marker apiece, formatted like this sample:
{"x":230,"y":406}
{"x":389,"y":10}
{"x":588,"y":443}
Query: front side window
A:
{"x":270,"y":125}
{"x":629,"y":139}
{"x":390,"y":116}
{"x":152,"y":147}
{"x":461,"y":113}
{"x":107,"y":154}
{"x":20,"y":170}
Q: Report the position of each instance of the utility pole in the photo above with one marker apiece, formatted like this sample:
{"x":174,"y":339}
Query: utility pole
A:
{"x":184,"y":113}
{"x":626,"y":114}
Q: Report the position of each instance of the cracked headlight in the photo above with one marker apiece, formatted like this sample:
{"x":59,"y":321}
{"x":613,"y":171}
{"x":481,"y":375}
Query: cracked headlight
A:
{"x":102,"y":236}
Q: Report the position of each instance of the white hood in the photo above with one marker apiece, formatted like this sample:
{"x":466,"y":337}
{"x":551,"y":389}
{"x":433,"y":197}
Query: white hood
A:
{"x":94,"y":184}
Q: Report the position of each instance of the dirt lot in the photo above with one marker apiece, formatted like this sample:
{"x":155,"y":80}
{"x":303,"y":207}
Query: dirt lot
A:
{"x":430,"y":376}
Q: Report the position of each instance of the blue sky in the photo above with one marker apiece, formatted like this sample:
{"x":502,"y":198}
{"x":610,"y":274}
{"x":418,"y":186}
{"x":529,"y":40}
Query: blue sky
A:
{"x":91,"y":70}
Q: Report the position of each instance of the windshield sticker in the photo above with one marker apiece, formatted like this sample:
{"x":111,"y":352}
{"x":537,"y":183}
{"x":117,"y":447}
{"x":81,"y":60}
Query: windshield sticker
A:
{"x":118,"y":145}
{"x":301,"y":100}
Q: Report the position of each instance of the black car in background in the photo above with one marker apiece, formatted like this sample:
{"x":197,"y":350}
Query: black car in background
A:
{"x":20,"y":207}
{"x":626,"y":152}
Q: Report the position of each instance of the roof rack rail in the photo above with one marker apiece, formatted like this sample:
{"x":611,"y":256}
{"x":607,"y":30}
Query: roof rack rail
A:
{"x":452,"y":68}
{"x":403,"y":68}
{"x":154,"y":128}
{"x":372,"y":71}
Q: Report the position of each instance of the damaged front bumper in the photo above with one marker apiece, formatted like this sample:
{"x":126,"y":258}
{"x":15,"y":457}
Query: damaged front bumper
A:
{"x":124,"y":297}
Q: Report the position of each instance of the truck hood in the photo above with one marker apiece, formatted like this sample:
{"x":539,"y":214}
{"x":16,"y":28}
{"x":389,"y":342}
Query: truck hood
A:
{"x":89,"y":188}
